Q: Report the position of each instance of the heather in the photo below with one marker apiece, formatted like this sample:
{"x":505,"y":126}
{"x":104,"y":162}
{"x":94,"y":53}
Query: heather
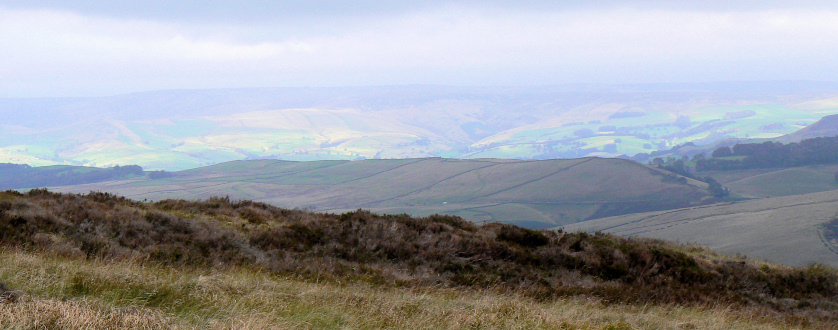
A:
{"x":399,"y":251}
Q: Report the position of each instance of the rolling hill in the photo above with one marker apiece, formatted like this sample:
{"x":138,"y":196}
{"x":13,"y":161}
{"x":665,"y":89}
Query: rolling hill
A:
{"x":793,"y":230}
{"x":825,"y":127}
{"x":182,"y":129}
{"x":535,"y":194}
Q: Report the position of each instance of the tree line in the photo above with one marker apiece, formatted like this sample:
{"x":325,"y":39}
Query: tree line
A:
{"x":18,"y":176}
{"x":679,"y":167}
{"x":814,"y":151}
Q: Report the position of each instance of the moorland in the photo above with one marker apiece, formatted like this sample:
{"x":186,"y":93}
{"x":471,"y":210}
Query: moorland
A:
{"x":99,"y":260}
{"x":296,"y":207}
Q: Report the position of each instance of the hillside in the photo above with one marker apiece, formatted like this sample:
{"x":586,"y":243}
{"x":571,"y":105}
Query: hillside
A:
{"x":825,"y":127}
{"x":182,"y":129}
{"x":146,"y":296}
{"x":788,"y":230}
{"x":535,"y":194}
{"x":178,"y":261}
{"x":764,"y":169}
{"x":774,"y":182}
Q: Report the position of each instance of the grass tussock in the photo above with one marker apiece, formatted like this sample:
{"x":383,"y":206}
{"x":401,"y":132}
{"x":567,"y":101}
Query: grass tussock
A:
{"x":7,"y":296}
{"x":82,"y":314}
{"x":130,"y":294}
{"x":402,"y":251}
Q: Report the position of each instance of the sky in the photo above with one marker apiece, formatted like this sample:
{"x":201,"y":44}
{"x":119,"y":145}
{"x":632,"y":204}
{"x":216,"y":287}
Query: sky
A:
{"x":99,"y":48}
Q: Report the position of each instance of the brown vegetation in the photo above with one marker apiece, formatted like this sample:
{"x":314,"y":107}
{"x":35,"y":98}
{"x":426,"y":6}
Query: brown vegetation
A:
{"x":7,"y":295}
{"x":399,"y":250}
{"x":137,"y":295}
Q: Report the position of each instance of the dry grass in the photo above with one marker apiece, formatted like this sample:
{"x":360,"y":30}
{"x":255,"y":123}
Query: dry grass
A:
{"x":198,"y":250}
{"x":136,"y":296}
{"x":34,"y":313}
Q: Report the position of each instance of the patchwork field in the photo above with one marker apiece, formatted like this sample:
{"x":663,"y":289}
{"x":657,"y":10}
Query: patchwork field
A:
{"x":177,"y":130}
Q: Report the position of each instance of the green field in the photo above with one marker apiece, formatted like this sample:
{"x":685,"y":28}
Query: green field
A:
{"x":647,"y":131}
{"x":473,"y":127}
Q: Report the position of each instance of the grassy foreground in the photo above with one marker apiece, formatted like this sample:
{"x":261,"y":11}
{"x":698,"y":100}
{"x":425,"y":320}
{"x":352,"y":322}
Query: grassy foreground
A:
{"x":100,"y":260}
{"x":63,"y":292}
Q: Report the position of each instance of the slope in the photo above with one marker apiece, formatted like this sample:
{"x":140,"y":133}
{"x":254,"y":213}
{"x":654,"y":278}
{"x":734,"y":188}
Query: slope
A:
{"x":786,"y":229}
{"x":535,"y":193}
{"x":826,"y":126}
{"x":144,"y":296}
{"x":208,"y":262}
{"x":776,"y":182}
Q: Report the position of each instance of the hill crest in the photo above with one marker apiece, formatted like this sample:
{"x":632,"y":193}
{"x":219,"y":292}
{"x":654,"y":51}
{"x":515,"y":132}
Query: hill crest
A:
{"x":825,"y":127}
{"x":537,"y":194}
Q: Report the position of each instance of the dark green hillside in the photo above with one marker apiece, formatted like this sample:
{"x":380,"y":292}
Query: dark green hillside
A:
{"x":14,"y":176}
{"x":814,"y":151}
{"x":388,"y":250}
{"x":539,"y":194}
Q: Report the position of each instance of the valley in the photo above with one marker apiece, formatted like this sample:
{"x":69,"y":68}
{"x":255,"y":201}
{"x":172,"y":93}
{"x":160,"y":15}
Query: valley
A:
{"x":183,"y":129}
{"x":418,"y":165}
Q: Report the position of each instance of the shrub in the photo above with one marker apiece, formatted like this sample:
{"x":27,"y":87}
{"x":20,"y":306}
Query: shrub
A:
{"x":522,"y":236}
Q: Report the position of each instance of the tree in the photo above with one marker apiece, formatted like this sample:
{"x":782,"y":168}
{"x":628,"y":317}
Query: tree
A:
{"x":722,"y":152}
{"x":716,"y":189}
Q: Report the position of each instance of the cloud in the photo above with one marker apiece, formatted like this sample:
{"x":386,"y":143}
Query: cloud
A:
{"x":58,"y":52}
{"x":259,"y":11}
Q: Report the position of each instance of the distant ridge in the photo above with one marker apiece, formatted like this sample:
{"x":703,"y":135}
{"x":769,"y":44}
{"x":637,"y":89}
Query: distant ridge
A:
{"x":826,"y":126}
{"x":535,"y":194}
{"x":182,"y":129}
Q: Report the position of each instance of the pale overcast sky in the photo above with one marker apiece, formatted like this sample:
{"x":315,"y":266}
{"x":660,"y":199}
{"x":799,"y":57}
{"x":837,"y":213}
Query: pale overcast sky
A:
{"x":92,"y":48}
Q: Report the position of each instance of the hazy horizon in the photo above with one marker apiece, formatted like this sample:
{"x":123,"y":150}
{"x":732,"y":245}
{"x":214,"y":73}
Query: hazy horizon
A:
{"x":100,"y":48}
